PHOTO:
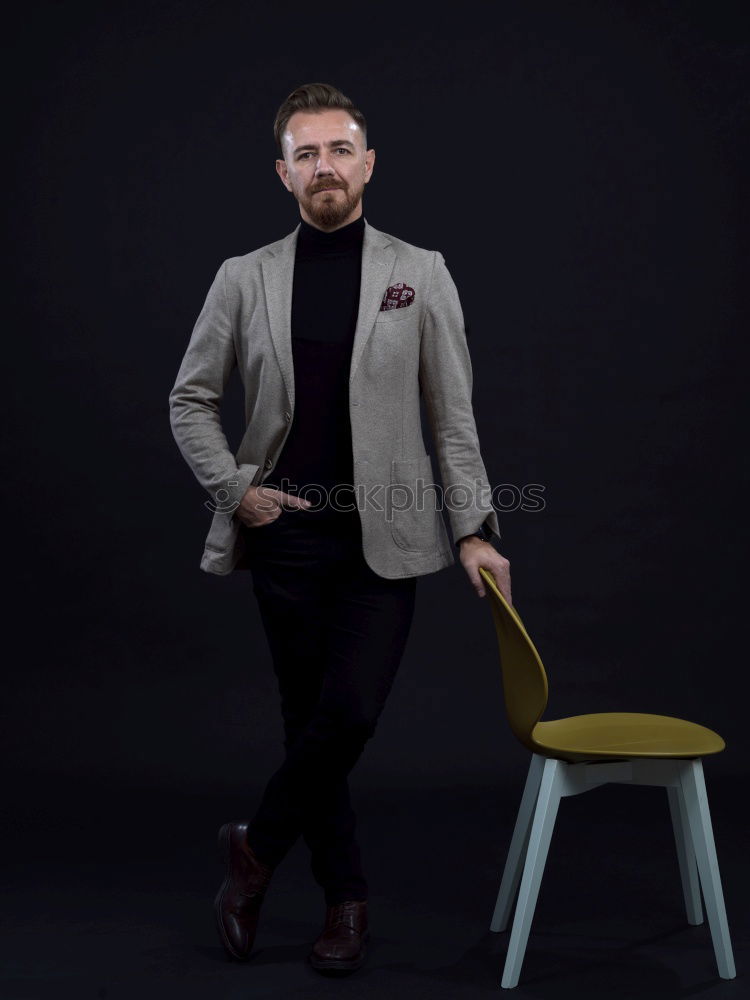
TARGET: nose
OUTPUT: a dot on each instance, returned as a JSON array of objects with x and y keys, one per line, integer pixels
[{"x": 323, "y": 166}]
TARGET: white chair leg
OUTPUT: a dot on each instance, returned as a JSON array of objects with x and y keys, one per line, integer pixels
[
  {"x": 545, "y": 813},
  {"x": 701, "y": 832},
  {"x": 691, "y": 888},
  {"x": 517, "y": 850}
]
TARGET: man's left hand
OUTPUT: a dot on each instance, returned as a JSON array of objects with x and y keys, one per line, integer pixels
[{"x": 475, "y": 553}]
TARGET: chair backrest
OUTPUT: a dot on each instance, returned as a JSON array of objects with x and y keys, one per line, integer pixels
[{"x": 524, "y": 676}]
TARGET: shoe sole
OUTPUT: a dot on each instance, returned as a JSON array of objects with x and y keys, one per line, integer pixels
[
  {"x": 340, "y": 966},
  {"x": 223, "y": 843}
]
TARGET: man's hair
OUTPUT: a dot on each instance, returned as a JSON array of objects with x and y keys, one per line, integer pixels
[{"x": 315, "y": 97}]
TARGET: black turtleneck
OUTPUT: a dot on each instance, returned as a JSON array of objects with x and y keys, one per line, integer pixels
[{"x": 325, "y": 304}]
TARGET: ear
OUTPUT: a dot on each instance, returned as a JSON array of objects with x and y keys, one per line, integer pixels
[
  {"x": 369, "y": 164},
  {"x": 281, "y": 170}
]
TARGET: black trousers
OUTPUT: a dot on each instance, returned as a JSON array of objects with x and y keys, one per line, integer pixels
[{"x": 336, "y": 632}]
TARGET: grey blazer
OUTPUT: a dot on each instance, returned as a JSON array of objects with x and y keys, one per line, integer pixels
[{"x": 399, "y": 352}]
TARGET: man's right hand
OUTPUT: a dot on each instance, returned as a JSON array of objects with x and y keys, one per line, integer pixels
[{"x": 262, "y": 504}]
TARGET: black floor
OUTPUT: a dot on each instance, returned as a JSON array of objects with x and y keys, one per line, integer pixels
[{"x": 108, "y": 894}]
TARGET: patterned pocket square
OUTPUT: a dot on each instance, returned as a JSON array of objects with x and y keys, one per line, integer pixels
[{"x": 397, "y": 297}]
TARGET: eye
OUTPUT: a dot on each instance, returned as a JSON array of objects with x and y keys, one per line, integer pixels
[{"x": 339, "y": 149}]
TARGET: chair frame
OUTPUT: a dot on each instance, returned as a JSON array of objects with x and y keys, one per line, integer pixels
[{"x": 548, "y": 781}]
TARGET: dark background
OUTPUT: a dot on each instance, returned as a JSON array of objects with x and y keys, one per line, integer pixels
[{"x": 583, "y": 169}]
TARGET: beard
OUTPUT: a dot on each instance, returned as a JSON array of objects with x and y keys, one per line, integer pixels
[{"x": 330, "y": 210}]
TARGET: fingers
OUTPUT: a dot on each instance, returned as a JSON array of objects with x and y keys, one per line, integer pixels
[
  {"x": 266, "y": 503},
  {"x": 266, "y": 500},
  {"x": 476, "y": 581},
  {"x": 290, "y": 500},
  {"x": 502, "y": 579},
  {"x": 503, "y": 585},
  {"x": 499, "y": 570}
]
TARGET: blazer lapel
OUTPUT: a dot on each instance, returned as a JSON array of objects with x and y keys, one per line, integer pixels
[
  {"x": 278, "y": 275},
  {"x": 378, "y": 260}
]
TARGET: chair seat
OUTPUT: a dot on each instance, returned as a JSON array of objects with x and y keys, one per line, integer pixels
[{"x": 624, "y": 734}]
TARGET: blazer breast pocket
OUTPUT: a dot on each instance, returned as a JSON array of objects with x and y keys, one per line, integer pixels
[
  {"x": 388, "y": 316},
  {"x": 394, "y": 346}
]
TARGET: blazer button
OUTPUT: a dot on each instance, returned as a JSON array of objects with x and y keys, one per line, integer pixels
[
  {"x": 287, "y": 416},
  {"x": 269, "y": 463}
]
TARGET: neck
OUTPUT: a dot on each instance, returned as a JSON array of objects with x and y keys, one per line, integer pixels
[{"x": 345, "y": 237}]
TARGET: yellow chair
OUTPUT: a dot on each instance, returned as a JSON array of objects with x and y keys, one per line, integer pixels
[{"x": 574, "y": 755}]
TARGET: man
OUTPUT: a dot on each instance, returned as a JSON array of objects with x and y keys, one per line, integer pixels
[{"x": 337, "y": 329}]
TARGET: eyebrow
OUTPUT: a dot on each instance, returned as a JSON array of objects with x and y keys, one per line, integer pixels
[{"x": 333, "y": 142}]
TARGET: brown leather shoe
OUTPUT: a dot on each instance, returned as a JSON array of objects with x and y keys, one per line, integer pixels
[
  {"x": 342, "y": 946},
  {"x": 238, "y": 901}
]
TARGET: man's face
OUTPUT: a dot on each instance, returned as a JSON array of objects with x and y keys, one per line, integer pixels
[{"x": 325, "y": 149}]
